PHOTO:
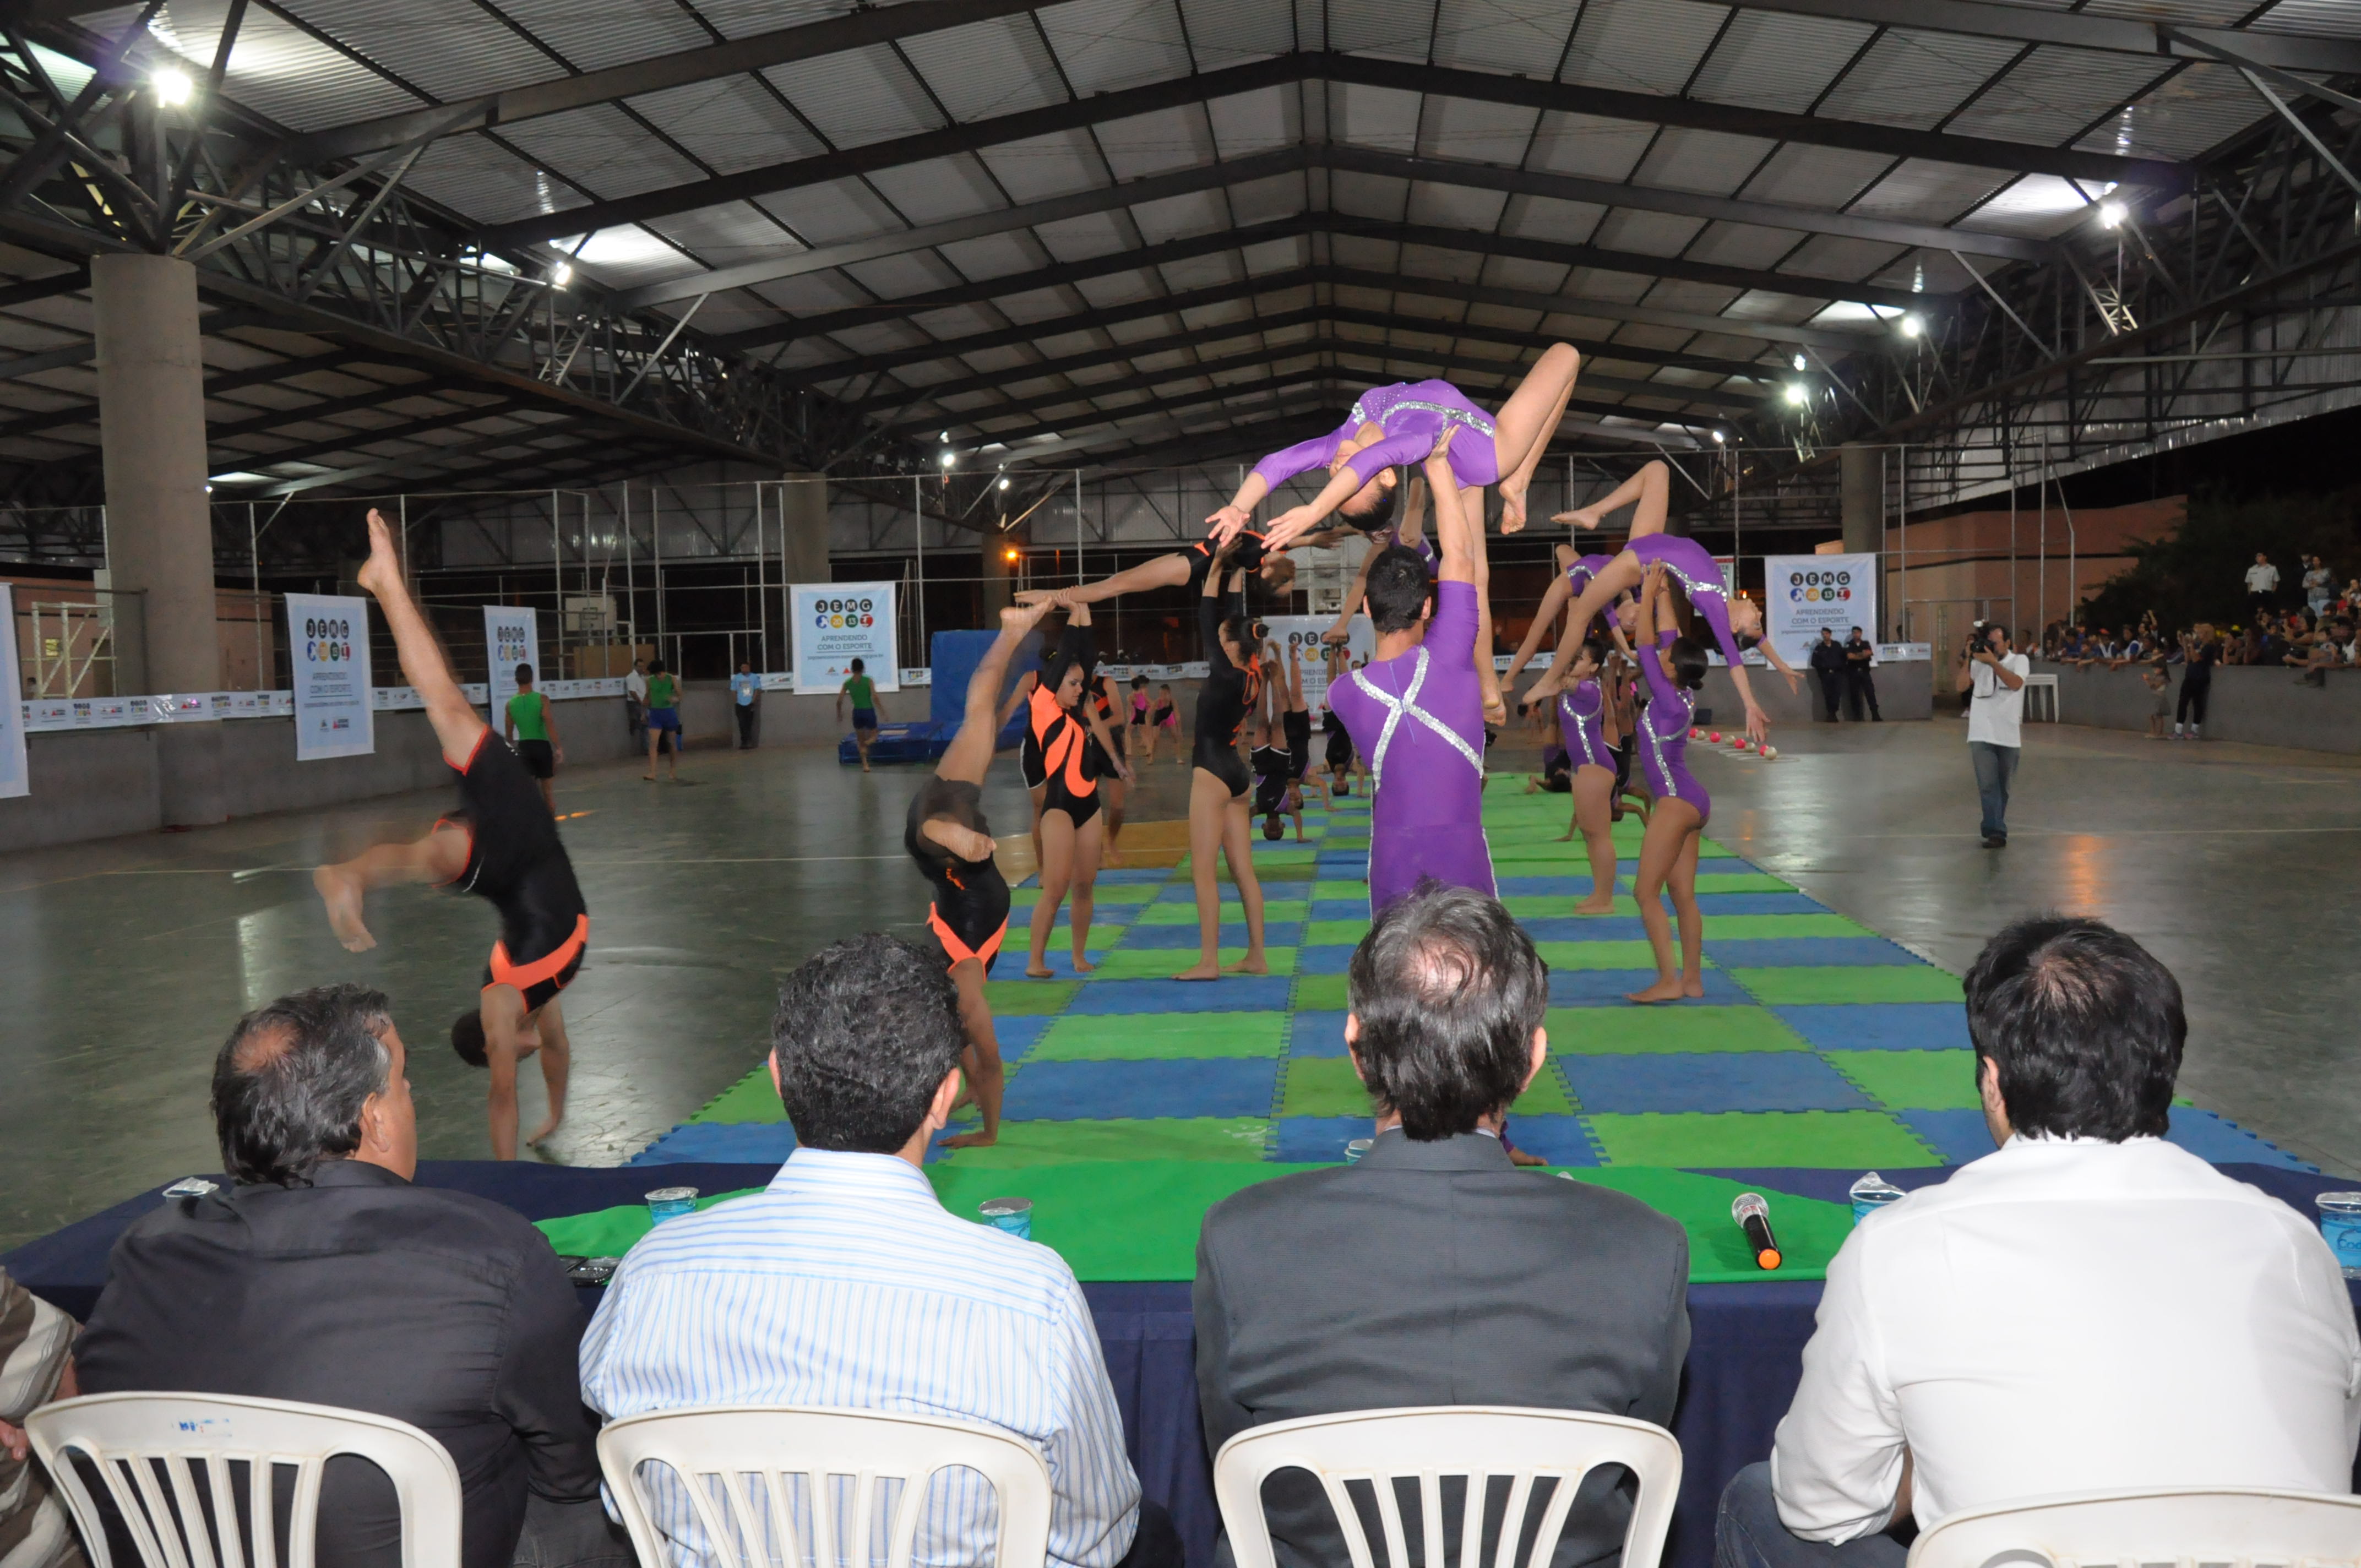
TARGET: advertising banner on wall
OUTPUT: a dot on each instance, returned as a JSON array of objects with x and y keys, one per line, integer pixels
[
  {"x": 14, "y": 778},
  {"x": 512, "y": 637},
  {"x": 836, "y": 623},
  {"x": 1304, "y": 631},
  {"x": 1808, "y": 592},
  {"x": 327, "y": 644}
]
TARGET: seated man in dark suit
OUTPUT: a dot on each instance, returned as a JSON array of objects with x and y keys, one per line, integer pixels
[
  {"x": 1434, "y": 1272},
  {"x": 322, "y": 1276}
]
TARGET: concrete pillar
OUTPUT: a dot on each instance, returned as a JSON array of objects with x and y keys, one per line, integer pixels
[
  {"x": 1862, "y": 498},
  {"x": 803, "y": 512},
  {"x": 151, "y": 397}
]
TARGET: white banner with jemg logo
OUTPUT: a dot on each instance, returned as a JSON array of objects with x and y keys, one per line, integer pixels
[
  {"x": 512, "y": 637},
  {"x": 836, "y": 623},
  {"x": 328, "y": 646},
  {"x": 1804, "y": 593}
]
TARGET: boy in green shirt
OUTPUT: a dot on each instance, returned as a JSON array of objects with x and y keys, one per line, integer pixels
[
  {"x": 863, "y": 693},
  {"x": 532, "y": 729},
  {"x": 664, "y": 717}
]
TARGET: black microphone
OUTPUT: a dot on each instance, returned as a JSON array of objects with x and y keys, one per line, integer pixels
[{"x": 1753, "y": 1217}]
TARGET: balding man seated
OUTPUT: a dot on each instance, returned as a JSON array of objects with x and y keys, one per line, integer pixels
[
  {"x": 1434, "y": 1272},
  {"x": 322, "y": 1276}
]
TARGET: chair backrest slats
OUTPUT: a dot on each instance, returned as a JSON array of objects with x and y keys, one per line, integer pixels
[
  {"x": 1475, "y": 1442},
  {"x": 2202, "y": 1526},
  {"x": 701, "y": 1449},
  {"x": 146, "y": 1448}
]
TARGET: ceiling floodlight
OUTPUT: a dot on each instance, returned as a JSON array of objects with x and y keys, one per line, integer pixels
[
  {"x": 1798, "y": 394},
  {"x": 1719, "y": 438},
  {"x": 950, "y": 457},
  {"x": 2113, "y": 214},
  {"x": 1011, "y": 554},
  {"x": 1800, "y": 363},
  {"x": 1003, "y": 484},
  {"x": 1912, "y": 325},
  {"x": 563, "y": 275},
  {"x": 173, "y": 86}
]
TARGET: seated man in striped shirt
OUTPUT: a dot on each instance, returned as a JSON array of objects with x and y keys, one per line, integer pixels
[{"x": 845, "y": 1283}]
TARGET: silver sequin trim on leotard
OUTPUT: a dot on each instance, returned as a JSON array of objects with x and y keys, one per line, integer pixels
[
  {"x": 1584, "y": 722},
  {"x": 1474, "y": 421},
  {"x": 1406, "y": 706}
]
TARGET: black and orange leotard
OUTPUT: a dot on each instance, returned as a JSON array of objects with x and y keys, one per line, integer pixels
[
  {"x": 516, "y": 860},
  {"x": 1245, "y": 556},
  {"x": 970, "y": 913},
  {"x": 1068, "y": 768}
]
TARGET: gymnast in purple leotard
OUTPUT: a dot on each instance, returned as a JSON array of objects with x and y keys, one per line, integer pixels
[
  {"x": 1673, "y": 666},
  {"x": 1417, "y": 710},
  {"x": 1582, "y": 731},
  {"x": 1566, "y": 586}
]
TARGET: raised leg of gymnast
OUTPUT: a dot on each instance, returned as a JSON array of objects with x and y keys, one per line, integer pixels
[
  {"x": 1170, "y": 571},
  {"x": 1522, "y": 427}
]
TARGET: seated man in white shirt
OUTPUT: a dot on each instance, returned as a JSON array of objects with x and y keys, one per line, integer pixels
[
  {"x": 846, "y": 1284},
  {"x": 2090, "y": 1308}
]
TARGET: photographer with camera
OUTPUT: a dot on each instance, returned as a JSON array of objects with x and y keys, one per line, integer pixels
[{"x": 1994, "y": 678}]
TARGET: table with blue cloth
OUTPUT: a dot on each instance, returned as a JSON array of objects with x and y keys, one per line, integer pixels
[{"x": 1745, "y": 1348}]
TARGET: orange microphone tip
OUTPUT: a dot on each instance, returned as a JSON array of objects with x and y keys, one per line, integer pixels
[{"x": 1767, "y": 1258}]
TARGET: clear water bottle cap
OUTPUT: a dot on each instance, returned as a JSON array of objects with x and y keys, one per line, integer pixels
[{"x": 1876, "y": 1189}]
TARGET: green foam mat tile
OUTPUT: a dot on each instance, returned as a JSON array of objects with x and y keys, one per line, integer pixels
[
  {"x": 1323, "y": 1086},
  {"x": 1615, "y": 1031},
  {"x": 1163, "y": 963},
  {"x": 1335, "y": 933},
  {"x": 1546, "y": 1095},
  {"x": 1131, "y": 1221},
  {"x": 1913, "y": 1080},
  {"x": 1345, "y": 842},
  {"x": 1211, "y": 1139},
  {"x": 1320, "y": 994},
  {"x": 610, "y": 1233},
  {"x": 1599, "y": 955},
  {"x": 1028, "y": 998},
  {"x": 1330, "y": 887},
  {"x": 1848, "y": 982},
  {"x": 1738, "y": 928},
  {"x": 1182, "y": 911},
  {"x": 1871, "y": 1140},
  {"x": 1560, "y": 906},
  {"x": 753, "y": 1098},
  {"x": 1107, "y": 893},
  {"x": 1154, "y": 1036}
]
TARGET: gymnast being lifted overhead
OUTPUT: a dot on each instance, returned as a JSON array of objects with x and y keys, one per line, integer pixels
[{"x": 1737, "y": 624}]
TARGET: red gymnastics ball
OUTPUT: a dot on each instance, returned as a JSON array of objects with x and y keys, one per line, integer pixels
[{"x": 1715, "y": 737}]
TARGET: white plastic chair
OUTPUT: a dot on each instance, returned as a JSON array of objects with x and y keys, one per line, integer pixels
[
  {"x": 149, "y": 1447},
  {"x": 2048, "y": 683},
  {"x": 2222, "y": 1527},
  {"x": 1478, "y": 1442},
  {"x": 715, "y": 1450}
]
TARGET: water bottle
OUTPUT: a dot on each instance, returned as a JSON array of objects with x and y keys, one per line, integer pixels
[
  {"x": 1870, "y": 1194},
  {"x": 2340, "y": 1226}
]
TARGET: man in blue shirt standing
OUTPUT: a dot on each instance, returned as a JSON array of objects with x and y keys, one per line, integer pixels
[
  {"x": 845, "y": 1283},
  {"x": 746, "y": 687}
]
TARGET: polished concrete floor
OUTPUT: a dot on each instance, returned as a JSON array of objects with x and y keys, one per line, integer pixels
[{"x": 123, "y": 964}]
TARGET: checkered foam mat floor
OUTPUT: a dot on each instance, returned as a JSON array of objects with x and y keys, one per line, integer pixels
[{"x": 1818, "y": 1043}]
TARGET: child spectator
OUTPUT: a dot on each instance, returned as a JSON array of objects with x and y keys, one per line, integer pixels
[{"x": 2159, "y": 706}]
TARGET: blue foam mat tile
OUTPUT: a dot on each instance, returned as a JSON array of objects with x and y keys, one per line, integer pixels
[
  {"x": 1756, "y": 904},
  {"x": 1611, "y": 987},
  {"x": 1132, "y": 875},
  {"x": 1304, "y": 1140},
  {"x": 1107, "y": 1090},
  {"x": 1186, "y": 939},
  {"x": 1561, "y": 1140},
  {"x": 1880, "y": 1025},
  {"x": 1807, "y": 952},
  {"x": 1710, "y": 1081},
  {"x": 1569, "y": 887},
  {"x": 2220, "y": 1142},
  {"x": 1317, "y": 1034},
  {"x": 1956, "y": 1137},
  {"x": 1323, "y": 960},
  {"x": 720, "y": 1143},
  {"x": 1017, "y": 1036},
  {"x": 1059, "y": 957},
  {"x": 1586, "y": 928},
  {"x": 1340, "y": 909},
  {"x": 1230, "y": 993}
]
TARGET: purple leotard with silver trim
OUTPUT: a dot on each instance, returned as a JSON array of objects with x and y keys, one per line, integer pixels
[
  {"x": 1420, "y": 719},
  {"x": 1578, "y": 727},
  {"x": 1700, "y": 578},
  {"x": 1413, "y": 414},
  {"x": 1665, "y": 736}
]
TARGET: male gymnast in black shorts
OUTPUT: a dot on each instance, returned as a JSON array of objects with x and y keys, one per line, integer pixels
[
  {"x": 503, "y": 846},
  {"x": 946, "y": 836}
]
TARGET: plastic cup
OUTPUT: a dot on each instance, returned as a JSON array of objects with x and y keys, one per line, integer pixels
[
  {"x": 671, "y": 1203},
  {"x": 1014, "y": 1215},
  {"x": 1355, "y": 1149},
  {"x": 1870, "y": 1194},
  {"x": 2340, "y": 1226}
]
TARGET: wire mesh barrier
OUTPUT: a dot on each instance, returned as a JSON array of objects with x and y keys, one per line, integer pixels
[{"x": 699, "y": 572}]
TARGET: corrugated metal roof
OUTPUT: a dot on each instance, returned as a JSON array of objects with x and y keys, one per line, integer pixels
[
  {"x": 858, "y": 96},
  {"x": 1706, "y": 161},
  {"x": 1916, "y": 79},
  {"x": 1455, "y": 206},
  {"x": 1391, "y": 29},
  {"x": 1521, "y": 37},
  {"x": 731, "y": 124},
  {"x": 2053, "y": 93},
  {"x": 1224, "y": 32},
  {"x": 1158, "y": 143},
  {"x": 613, "y": 32},
  {"x": 1589, "y": 146},
  {"x": 1482, "y": 133},
  {"x": 1767, "y": 60},
  {"x": 1109, "y": 44},
  {"x": 1644, "y": 46},
  {"x": 988, "y": 68},
  {"x": 449, "y": 47},
  {"x": 1041, "y": 167}
]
